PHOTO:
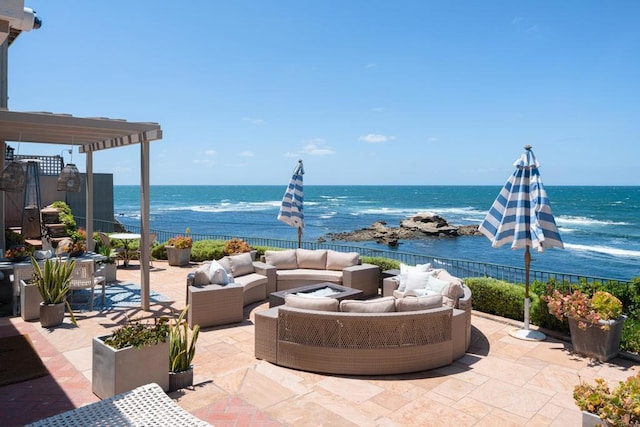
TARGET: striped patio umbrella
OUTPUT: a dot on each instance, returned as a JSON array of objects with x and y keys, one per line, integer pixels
[
  {"x": 291, "y": 209},
  {"x": 521, "y": 215}
]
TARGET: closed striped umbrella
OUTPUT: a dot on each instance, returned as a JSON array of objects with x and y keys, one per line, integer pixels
[
  {"x": 291, "y": 209},
  {"x": 521, "y": 216}
]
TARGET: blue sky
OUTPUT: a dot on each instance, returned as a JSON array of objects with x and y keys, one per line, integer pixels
[{"x": 365, "y": 92}]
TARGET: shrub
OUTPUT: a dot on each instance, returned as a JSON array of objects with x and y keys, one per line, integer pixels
[
  {"x": 180, "y": 242},
  {"x": 500, "y": 298},
  {"x": 383, "y": 263},
  {"x": 236, "y": 246},
  {"x": 65, "y": 216},
  {"x": 138, "y": 334},
  {"x": 620, "y": 407}
]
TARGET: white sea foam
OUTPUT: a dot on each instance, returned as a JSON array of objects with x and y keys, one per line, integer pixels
[
  {"x": 604, "y": 250},
  {"x": 584, "y": 221}
]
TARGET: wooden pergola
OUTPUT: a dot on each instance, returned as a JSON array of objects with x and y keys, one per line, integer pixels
[{"x": 88, "y": 134}]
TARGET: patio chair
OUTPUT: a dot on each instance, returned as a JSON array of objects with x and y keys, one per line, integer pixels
[
  {"x": 143, "y": 406},
  {"x": 84, "y": 277},
  {"x": 152, "y": 240},
  {"x": 107, "y": 242}
]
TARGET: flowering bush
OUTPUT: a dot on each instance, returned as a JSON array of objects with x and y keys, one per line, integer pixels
[
  {"x": 579, "y": 306},
  {"x": 78, "y": 241},
  {"x": 18, "y": 252},
  {"x": 180, "y": 242},
  {"x": 236, "y": 246},
  {"x": 619, "y": 408}
]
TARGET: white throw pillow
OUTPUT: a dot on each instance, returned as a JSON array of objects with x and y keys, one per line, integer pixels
[
  {"x": 217, "y": 274},
  {"x": 417, "y": 280},
  {"x": 419, "y": 293},
  {"x": 404, "y": 270},
  {"x": 436, "y": 285}
]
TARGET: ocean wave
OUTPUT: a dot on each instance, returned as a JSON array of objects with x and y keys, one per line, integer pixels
[
  {"x": 581, "y": 220},
  {"x": 617, "y": 252}
]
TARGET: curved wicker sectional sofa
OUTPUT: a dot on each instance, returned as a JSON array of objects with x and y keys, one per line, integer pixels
[
  {"x": 301, "y": 267},
  {"x": 212, "y": 303},
  {"x": 356, "y": 343}
]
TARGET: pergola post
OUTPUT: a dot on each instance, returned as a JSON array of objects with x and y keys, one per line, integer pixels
[
  {"x": 89, "y": 201},
  {"x": 144, "y": 224}
]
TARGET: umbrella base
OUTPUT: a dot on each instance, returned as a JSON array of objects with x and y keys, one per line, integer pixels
[{"x": 527, "y": 334}]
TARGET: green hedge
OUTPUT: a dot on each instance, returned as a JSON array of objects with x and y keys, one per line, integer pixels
[{"x": 507, "y": 300}]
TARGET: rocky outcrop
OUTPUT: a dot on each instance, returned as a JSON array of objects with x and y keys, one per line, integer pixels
[{"x": 420, "y": 226}]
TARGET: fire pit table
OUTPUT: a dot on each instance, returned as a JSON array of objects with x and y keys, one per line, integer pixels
[{"x": 338, "y": 292}]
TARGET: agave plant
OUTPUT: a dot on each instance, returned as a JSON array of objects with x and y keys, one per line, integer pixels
[
  {"x": 54, "y": 281},
  {"x": 181, "y": 349}
]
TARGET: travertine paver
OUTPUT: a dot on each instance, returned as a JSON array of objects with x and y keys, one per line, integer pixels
[{"x": 500, "y": 381}]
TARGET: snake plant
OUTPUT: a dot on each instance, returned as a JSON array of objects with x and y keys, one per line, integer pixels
[{"x": 181, "y": 349}]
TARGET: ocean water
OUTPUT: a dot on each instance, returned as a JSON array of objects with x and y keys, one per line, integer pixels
[{"x": 600, "y": 226}]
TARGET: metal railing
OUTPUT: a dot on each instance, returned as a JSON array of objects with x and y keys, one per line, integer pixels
[{"x": 457, "y": 267}]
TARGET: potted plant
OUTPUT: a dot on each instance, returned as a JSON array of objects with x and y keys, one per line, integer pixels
[
  {"x": 181, "y": 352},
  {"x": 595, "y": 323},
  {"x": 109, "y": 264},
  {"x": 135, "y": 354},
  {"x": 18, "y": 253},
  {"x": 53, "y": 284},
  {"x": 78, "y": 243},
  {"x": 238, "y": 246},
  {"x": 620, "y": 407},
  {"x": 179, "y": 249}
]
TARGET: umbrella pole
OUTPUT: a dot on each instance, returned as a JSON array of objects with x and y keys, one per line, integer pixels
[
  {"x": 527, "y": 301},
  {"x": 526, "y": 333},
  {"x": 299, "y": 236}
]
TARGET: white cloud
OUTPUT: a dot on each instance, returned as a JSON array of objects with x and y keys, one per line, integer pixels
[
  {"x": 317, "y": 147},
  {"x": 377, "y": 109},
  {"x": 432, "y": 139},
  {"x": 373, "y": 138},
  {"x": 247, "y": 154},
  {"x": 370, "y": 65},
  {"x": 312, "y": 147},
  {"x": 516, "y": 20},
  {"x": 210, "y": 153},
  {"x": 257, "y": 122},
  {"x": 204, "y": 162}
]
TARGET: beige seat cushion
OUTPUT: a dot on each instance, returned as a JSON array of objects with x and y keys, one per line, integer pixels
[
  {"x": 311, "y": 303},
  {"x": 282, "y": 260},
  {"x": 313, "y": 259},
  {"x": 226, "y": 264},
  {"x": 201, "y": 275},
  {"x": 317, "y": 275},
  {"x": 418, "y": 303},
  {"x": 451, "y": 294},
  {"x": 378, "y": 305},
  {"x": 241, "y": 264},
  {"x": 339, "y": 260}
]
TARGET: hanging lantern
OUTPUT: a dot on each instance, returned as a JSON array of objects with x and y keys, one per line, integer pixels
[
  {"x": 69, "y": 179},
  {"x": 12, "y": 178},
  {"x": 8, "y": 153}
]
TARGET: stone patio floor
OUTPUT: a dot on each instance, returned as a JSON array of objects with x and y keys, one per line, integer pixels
[{"x": 500, "y": 381}]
